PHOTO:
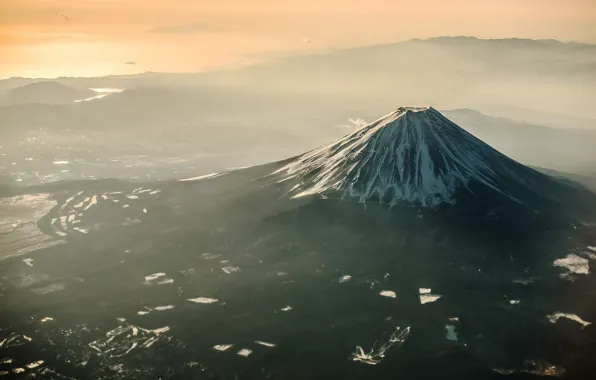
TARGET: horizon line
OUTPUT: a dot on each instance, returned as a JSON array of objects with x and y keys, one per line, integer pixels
[{"x": 309, "y": 53}]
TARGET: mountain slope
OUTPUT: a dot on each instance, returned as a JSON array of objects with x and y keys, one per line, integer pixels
[{"x": 416, "y": 155}]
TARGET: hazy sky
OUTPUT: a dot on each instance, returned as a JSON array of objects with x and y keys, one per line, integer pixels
[{"x": 45, "y": 38}]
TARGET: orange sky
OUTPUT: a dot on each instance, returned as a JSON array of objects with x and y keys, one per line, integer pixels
[{"x": 47, "y": 38}]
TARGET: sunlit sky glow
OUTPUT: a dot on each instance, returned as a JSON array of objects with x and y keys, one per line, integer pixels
[{"x": 49, "y": 38}]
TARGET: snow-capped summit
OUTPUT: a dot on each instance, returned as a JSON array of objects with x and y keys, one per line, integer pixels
[{"x": 413, "y": 155}]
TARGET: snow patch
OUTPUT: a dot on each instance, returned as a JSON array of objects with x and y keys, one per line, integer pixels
[
  {"x": 574, "y": 265},
  {"x": 222, "y": 347},
  {"x": 388, "y": 293},
  {"x": 34, "y": 364},
  {"x": 166, "y": 307},
  {"x": 205, "y": 300},
  {"x": 553, "y": 318},
  {"x": 344, "y": 279},
  {"x": 206, "y": 176},
  {"x": 244, "y": 352},
  {"x": 230, "y": 270},
  {"x": 93, "y": 202},
  {"x": 81, "y": 230},
  {"x": 426, "y": 296},
  {"x": 376, "y": 355},
  {"x": 266, "y": 344},
  {"x": 154, "y": 276}
]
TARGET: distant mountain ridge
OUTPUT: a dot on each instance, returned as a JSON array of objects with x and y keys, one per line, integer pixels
[
  {"x": 448, "y": 40},
  {"x": 519, "y": 41},
  {"x": 488, "y": 75},
  {"x": 530, "y": 143},
  {"x": 46, "y": 92}
]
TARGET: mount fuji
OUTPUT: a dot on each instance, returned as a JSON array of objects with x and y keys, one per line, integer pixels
[
  {"x": 416, "y": 156},
  {"x": 408, "y": 247}
]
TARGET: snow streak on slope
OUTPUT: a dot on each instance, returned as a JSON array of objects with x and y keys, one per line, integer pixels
[{"x": 413, "y": 155}]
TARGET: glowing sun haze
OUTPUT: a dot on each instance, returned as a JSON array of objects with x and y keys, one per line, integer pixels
[{"x": 49, "y": 38}]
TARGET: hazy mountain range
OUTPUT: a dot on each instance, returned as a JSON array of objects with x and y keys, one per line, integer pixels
[
  {"x": 530, "y": 99},
  {"x": 509, "y": 76}
]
